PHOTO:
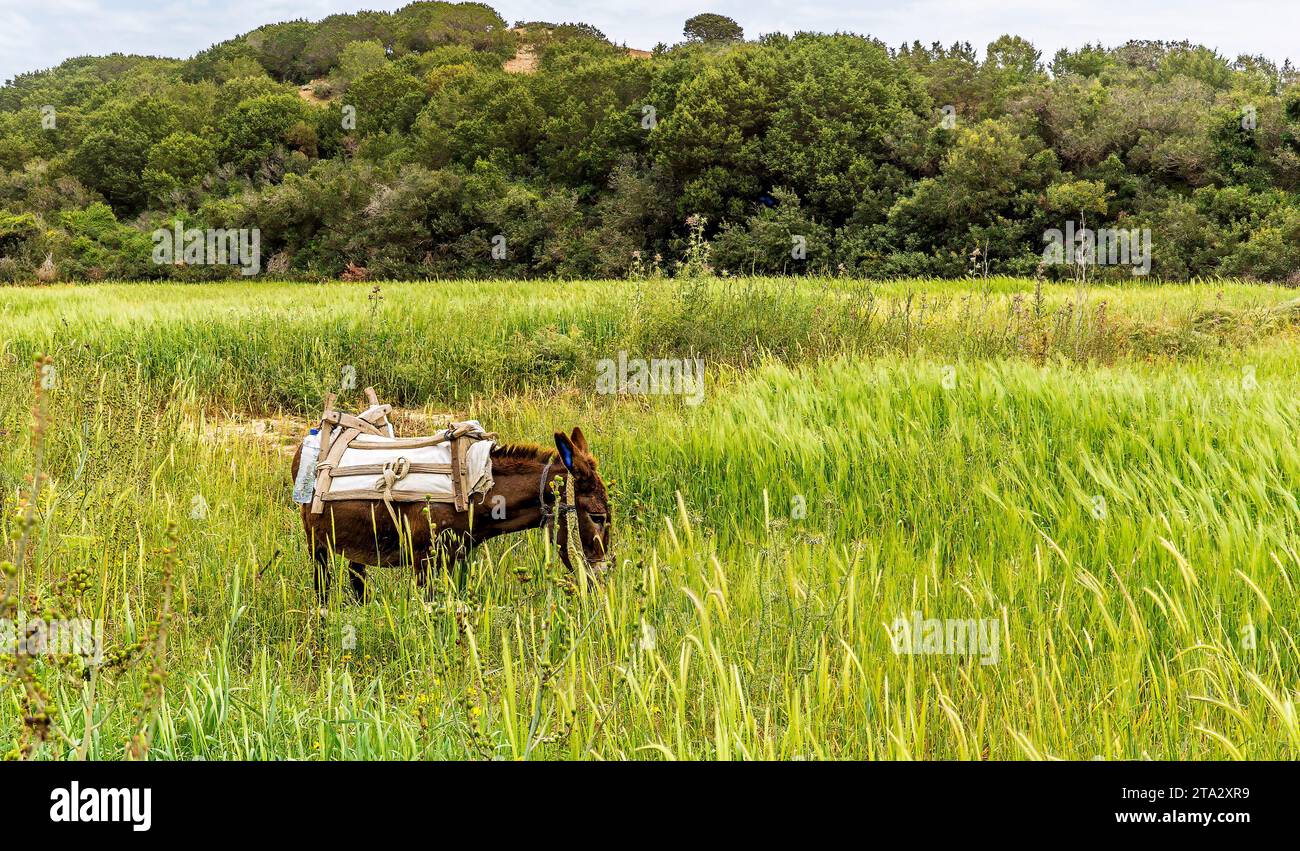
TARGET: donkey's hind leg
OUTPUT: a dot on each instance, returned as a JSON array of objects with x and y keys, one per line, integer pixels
[{"x": 357, "y": 578}]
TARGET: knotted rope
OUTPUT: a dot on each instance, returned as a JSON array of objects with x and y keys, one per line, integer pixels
[{"x": 393, "y": 472}]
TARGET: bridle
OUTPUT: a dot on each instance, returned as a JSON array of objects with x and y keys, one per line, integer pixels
[{"x": 563, "y": 508}]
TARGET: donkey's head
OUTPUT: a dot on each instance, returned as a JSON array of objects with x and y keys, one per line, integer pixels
[{"x": 590, "y": 499}]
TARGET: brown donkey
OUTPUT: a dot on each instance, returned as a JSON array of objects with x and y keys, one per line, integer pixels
[{"x": 532, "y": 488}]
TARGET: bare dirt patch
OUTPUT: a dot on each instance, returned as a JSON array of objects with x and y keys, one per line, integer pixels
[
  {"x": 308, "y": 93},
  {"x": 525, "y": 61},
  {"x": 281, "y": 432}
]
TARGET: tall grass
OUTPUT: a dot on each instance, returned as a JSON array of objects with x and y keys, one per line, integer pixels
[
  {"x": 264, "y": 347},
  {"x": 1121, "y": 499}
]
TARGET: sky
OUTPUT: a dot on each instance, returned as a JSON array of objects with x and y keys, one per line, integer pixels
[{"x": 37, "y": 34}]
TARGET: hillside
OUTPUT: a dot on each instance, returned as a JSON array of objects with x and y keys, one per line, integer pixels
[{"x": 414, "y": 143}]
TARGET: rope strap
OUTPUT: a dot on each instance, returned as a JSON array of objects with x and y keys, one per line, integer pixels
[{"x": 393, "y": 472}]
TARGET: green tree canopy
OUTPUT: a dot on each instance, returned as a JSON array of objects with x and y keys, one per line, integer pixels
[{"x": 710, "y": 27}]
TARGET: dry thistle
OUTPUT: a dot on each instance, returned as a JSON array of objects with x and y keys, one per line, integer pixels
[
  {"x": 138, "y": 746},
  {"x": 34, "y": 700}
]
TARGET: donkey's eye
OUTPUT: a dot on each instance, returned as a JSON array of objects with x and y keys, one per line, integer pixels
[{"x": 598, "y": 519}]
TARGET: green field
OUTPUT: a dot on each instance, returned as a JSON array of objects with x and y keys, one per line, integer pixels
[{"x": 1113, "y": 482}]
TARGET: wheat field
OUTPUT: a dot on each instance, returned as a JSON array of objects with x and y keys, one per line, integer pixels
[{"x": 1106, "y": 479}]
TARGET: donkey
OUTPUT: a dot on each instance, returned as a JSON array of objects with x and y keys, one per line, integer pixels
[{"x": 526, "y": 477}]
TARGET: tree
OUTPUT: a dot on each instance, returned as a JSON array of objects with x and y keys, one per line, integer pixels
[
  {"x": 178, "y": 162},
  {"x": 16, "y": 230},
  {"x": 711, "y": 142},
  {"x": 896, "y": 162},
  {"x": 110, "y": 162},
  {"x": 1010, "y": 64},
  {"x": 256, "y": 127},
  {"x": 1083, "y": 197},
  {"x": 710, "y": 27},
  {"x": 778, "y": 239},
  {"x": 360, "y": 58},
  {"x": 386, "y": 99},
  {"x": 832, "y": 136},
  {"x": 111, "y": 158},
  {"x": 1014, "y": 54}
]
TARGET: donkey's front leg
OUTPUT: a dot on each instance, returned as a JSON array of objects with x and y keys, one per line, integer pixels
[
  {"x": 440, "y": 558},
  {"x": 357, "y": 578},
  {"x": 324, "y": 564}
]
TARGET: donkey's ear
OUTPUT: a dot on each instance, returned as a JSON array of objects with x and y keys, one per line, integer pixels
[
  {"x": 565, "y": 447},
  {"x": 579, "y": 439}
]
